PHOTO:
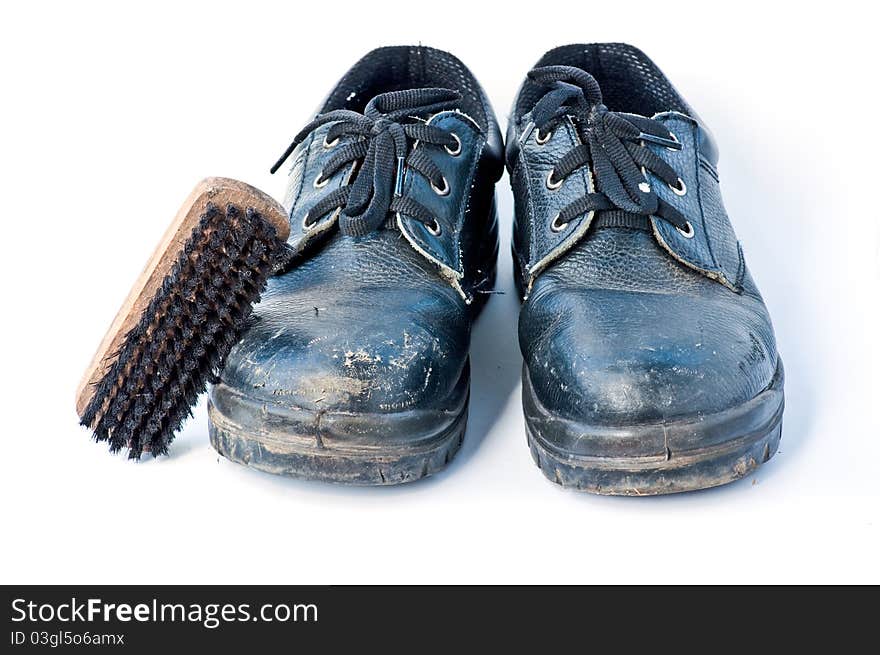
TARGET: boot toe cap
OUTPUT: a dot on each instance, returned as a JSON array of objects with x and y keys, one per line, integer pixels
[
  {"x": 350, "y": 354},
  {"x": 616, "y": 357}
]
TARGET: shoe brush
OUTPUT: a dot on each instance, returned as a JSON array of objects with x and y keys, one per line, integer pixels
[{"x": 187, "y": 309}]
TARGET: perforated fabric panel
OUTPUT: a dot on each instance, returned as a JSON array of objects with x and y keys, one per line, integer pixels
[
  {"x": 395, "y": 68},
  {"x": 630, "y": 82}
]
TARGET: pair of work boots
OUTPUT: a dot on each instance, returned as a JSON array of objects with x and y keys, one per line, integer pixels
[{"x": 650, "y": 364}]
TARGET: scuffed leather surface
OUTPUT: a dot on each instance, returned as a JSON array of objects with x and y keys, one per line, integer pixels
[
  {"x": 617, "y": 332},
  {"x": 365, "y": 324}
]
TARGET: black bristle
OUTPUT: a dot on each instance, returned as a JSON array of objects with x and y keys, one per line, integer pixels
[{"x": 183, "y": 337}]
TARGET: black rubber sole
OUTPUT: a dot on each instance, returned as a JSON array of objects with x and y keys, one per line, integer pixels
[
  {"x": 663, "y": 458},
  {"x": 343, "y": 448}
]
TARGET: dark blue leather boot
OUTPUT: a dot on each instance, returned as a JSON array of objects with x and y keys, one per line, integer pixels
[
  {"x": 356, "y": 368},
  {"x": 650, "y": 361}
]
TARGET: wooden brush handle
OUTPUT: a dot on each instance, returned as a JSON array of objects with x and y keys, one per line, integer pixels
[{"x": 220, "y": 191}]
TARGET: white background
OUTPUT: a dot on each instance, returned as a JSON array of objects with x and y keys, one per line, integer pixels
[{"x": 110, "y": 114}]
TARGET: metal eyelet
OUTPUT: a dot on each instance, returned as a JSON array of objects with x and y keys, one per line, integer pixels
[
  {"x": 674, "y": 138},
  {"x": 551, "y": 184},
  {"x": 441, "y": 191},
  {"x": 455, "y": 152},
  {"x": 541, "y": 140},
  {"x": 306, "y": 225},
  {"x": 556, "y": 226},
  {"x": 330, "y": 144},
  {"x": 319, "y": 183},
  {"x": 680, "y": 190},
  {"x": 689, "y": 233},
  {"x": 434, "y": 228}
]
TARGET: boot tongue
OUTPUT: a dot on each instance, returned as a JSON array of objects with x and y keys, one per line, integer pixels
[{"x": 403, "y": 106}]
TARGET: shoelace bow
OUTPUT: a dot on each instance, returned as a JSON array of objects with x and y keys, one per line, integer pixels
[
  {"x": 612, "y": 145},
  {"x": 381, "y": 152}
]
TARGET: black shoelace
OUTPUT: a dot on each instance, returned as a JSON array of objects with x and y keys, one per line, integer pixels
[
  {"x": 612, "y": 146},
  {"x": 381, "y": 152}
]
